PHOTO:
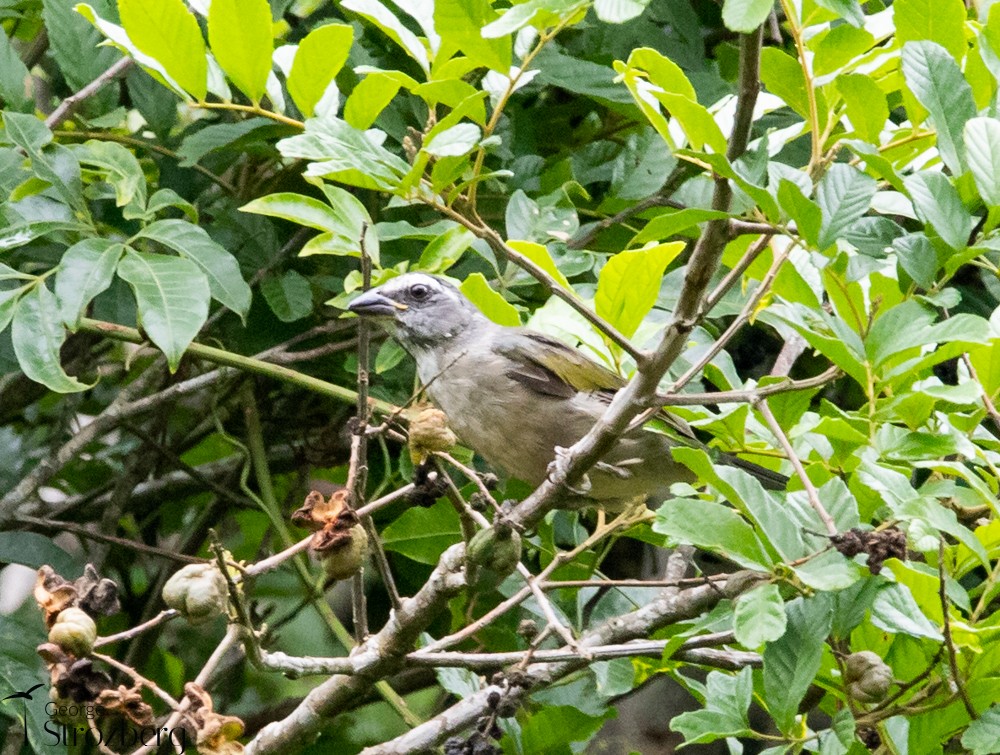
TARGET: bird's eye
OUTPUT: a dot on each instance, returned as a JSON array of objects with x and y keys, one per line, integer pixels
[{"x": 420, "y": 292}]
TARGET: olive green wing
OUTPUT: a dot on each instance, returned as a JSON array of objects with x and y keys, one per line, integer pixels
[{"x": 550, "y": 367}]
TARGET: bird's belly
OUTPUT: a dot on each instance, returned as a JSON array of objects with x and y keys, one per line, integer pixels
[{"x": 517, "y": 431}]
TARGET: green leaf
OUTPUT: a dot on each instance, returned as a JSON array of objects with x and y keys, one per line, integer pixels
[
  {"x": 445, "y": 250},
  {"x": 727, "y": 698},
  {"x": 38, "y": 334},
  {"x": 219, "y": 136},
  {"x": 982, "y": 146},
  {"x": 552, "y": 727},
  {"x": 745, "y": 15},
  {"x": 19, "y": 235},
  {"x": 522, "y": 14},
  {"x": 242, "y": 42},
  {"x": 849, "y": 10},
  {"x": 371, "y": 96},
  {"x": 74, "y": 44},
  {"x": 983, "y": 735},
  {"x": 423, "y": 534},
  {"x": 844, "y": 195},
  {"x": 759, "y": 616},
  {"x": 807, "y": 214},
  {"x": 895, "y": 611},
  {"x": 318, "y": 60},
  {"x": 219, "y": 266},
  {"x": 629, "y": 285},
  {"x": 541, "y": 257},
  {"x": 345, "y": 154},
  {"x": 26, "y": 131},
  {"x": 782, "y": 75},
  {"x": 121, "y": 170},
  {"x": 938, "y": 84},
  {"x": 34, "y": 550},
  {"x": 669, "y": 224},
  {"x": 712, "y": 526},
  {"x": 619, "y": 11},
  {"x": 387, "y": 21},
  {"x": 941, "y": 21},
  {"x": 8, "y": 304},
  {"x": 459, "y": 22},
  {"x": 917, "y": 257},
  {"x": 866, "y": 105},
  {"x": 168, "y": 32},
  {"x": 172, "y": 294},
  {"x": 488, "y": 301},
  {"x": 791, "y": 662},
  {"x": 289, "y": 296},
  {"x": 85, "y": 270},
  {"x": 15, "y": 81},
  {"x": 938, "y": 205},
  {"x": 298, "y": 208},
  {"x": 455, "y": 141}
]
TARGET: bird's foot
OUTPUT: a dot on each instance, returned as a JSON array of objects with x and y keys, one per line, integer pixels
[{"x": 557, "y": 472}]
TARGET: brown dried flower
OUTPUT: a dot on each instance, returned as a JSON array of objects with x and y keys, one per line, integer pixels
[
  {"x": 215, "y": 734},
  {"x": 126, "y": 702}
]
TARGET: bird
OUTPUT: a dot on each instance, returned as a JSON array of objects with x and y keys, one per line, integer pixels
[
  {"x": 518, "y": 397},
  {"x": 26, "y": 695}
]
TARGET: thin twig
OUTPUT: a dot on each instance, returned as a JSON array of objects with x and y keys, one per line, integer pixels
[
  {"x": 807, "y": 484},
  {"x": 138, "y": 629},
  {"x": 138, "y": 679},
  {"x": 949, "y": 643},
  {"x": 68, "y": 106}
]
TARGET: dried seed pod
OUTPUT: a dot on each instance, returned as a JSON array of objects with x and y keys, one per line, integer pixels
[
  {"x": 867, "y": 677},
  {"x": 345, "y": 558},
  {"x": 428, "y": 432},
  {"x": 492, "y": 554},
  {"x": 198, "y": 592},
  {"x": 74, "y": 631}
]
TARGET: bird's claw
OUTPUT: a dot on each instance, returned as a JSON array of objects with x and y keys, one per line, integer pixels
[{"x": 557, "y": 473}]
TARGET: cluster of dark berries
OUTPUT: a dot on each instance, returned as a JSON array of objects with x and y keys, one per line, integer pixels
[
  {"x": 427, "y": 487},
  {"x": 880, "y": 545}
]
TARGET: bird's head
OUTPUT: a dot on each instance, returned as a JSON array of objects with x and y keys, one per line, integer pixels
[{"x": 422, "y": 311}]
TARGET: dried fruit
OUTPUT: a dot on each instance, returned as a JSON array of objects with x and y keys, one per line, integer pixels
[
  {"x": 428, "y": 432},
  {"x": 93, "y": 594},
  {"x": 345, "y": 558},
  {"x": 198, "y": 592},
  {"x": 867, "y": 677},
  {"x": 215, "y": 733},
  {"x": 74, "y": 631},
  {"x": 492, "y": 554},
  {"x": 341, "y": 541}
]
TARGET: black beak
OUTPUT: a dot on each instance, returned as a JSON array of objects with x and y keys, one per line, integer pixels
[{"x": 372, "y": 303}]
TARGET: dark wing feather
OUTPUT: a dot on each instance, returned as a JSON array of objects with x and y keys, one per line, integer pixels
[{"x": 551, "y": 368}]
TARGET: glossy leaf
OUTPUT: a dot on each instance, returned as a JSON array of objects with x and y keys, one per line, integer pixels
[
  {"x": 219, "y": 266},
  {"x": 319, "y": 58},
  {"x": 937, "y": 82},
  {"x": 759, "y": 616},
  {"x": 423, "y": 534},
  {"x": 791, "y": 662},
  {"x": 937, "y": 203},
  {"x": 85, "y": 270},
  {"x": 168, "y": 32},
  {"x": 844, "y": 195},
  {"x": 459, "y": 22},
  {"x": 629, "y": 284},
  {"x": 38, "y": 334},
  {"x": 488, "y": 301},
  {"x": 982, "y": 144},
  {"x": 240, "y": 34},
  {"x": 172, "y": 294}
]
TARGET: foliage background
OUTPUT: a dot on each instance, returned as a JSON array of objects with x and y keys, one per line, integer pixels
[{"x": 219, "y": 202}]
